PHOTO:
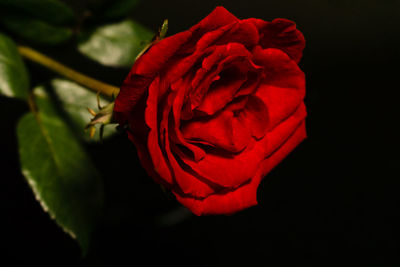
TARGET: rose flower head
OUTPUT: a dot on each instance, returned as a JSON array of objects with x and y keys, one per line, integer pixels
[{"x": 213, "y": 109}]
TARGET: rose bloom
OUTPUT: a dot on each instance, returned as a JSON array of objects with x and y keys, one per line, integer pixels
[{"x": 213, "y": 109}]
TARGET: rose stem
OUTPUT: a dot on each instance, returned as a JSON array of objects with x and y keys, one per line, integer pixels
[{"x": 93, "y": 84}]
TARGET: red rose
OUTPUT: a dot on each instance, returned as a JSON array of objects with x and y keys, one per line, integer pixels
[{"x": 213, "y": 109}]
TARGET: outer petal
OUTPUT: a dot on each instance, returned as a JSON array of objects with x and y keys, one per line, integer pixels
[
  {"x": 130, "y": 94},
  {"x": 143, "y": 72},
  {"x": 159, "y": 162},
  {"x": 282, "y": 34},
  {"x": 243, "y": 32},
  {"x": 246, "y": 195},
  {"x": 259, "y": 23},
  {"x": 145, "y": 159},
  {"x": 151, "y": 62},
  {"x": 138, "y": 135},
  {"x": 217, "y": 18},
  {"x": 283, "y": 89}
]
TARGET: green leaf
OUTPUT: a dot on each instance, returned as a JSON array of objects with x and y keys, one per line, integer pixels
[
  {"x": 36, "y": 31},
  {"x": 60, "y": 173},
  {"x": 14, "y": 80},
  {"x": 116, "y": 8},
  {"x": 116, "y": 44},
  {"x": 52, "y": 11},
  {"x": 74, "y": 101}
]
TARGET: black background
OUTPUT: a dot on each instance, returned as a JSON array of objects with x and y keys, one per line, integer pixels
[{"x": 332, "y": 201}]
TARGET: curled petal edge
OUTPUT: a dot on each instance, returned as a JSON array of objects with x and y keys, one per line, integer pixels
[{"x": 246, "y": 195}]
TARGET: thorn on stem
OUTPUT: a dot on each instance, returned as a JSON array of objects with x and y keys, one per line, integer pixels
[
  {"x": 98, "y": 100},
  {"x": 92, "y": 131},
  {"x": 91, "y": 111}
]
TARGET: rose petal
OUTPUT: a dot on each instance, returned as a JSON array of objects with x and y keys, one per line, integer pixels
[
  {"x": 217, "y": 18},
  {"x": 243, "y": 32},
  {"x": 222, "y": 91},
  {"x": 151, "y": 62},
  {"x": 255, "y": 117},
  {"x": 222, "y": 57},
  {"x": 182, "y": 88},
  {"x": 222, "y": 131},
  {"x": 225, "y": 54},
  {"x": 143, "y": 72},
  {"x": 279, "y": 68},
  {"x": 184, "y": 178},
  {"x": 259, "y": 23},
  {"x": 251, "y": 84},
  {"x": 283, "y": 89},
  {"x": 131, "y": 92},
  {"x": 159, "y": 163},
  {"x": 209, "y": 38},
  {"x": 241, "y": 77},
  {"x": 232, "y": 170},
  {"x": 246, "y": 195},
  {"x": 137, "y": 133},
  {"x": 279, "y": 134},
  {"x": 184, "y": 181},
  {"x": 282, "y": 34},
  {"x": 146, "y": 161}
]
